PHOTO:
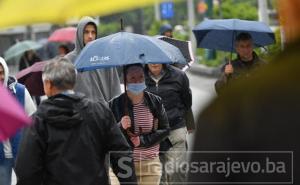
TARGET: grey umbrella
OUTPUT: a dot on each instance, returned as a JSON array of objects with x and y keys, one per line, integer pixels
[{"x": 20, "y": 47}]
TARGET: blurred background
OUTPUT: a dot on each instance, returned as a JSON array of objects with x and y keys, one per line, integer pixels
[
  {"x": 27, "y": 20},
  {"x": 183, "y": 15}
]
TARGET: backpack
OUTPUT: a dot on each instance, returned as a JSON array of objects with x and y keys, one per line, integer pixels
[{"x": 20, "y": 93}]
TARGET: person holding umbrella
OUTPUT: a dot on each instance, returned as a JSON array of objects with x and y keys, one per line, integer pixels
[
  {"x": 70, "y": 136},
  {"x": 97, "y": 84},
  {"x": 246, "y": 61},
  {"x": 9, "y": 148},
  {"x": 259, "y": 113},
  {"x": 143, "y": 121},
  {"x": 123, "y": 49},
  {"x": 28, "y": 59}
]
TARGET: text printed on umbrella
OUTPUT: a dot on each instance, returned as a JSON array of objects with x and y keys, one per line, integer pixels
[{"x": 97, "y": 59}]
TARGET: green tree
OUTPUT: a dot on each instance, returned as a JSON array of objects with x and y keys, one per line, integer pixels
[
  {"x": 271, "y": 51},
  {"x": 132, "y": 18},
  {"x": 154, "y": 28},
  {"x": 108, "y": 28}
]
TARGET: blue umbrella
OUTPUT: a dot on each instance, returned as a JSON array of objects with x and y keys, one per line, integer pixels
[
  {"x": 125, "y": 48},
  {"x": 219, "y": 34}
]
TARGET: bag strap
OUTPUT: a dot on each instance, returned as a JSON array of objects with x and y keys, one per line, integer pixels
[{"x": 20, "y": 93}]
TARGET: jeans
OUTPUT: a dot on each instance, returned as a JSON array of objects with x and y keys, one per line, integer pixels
[{"x": 6, "y": 167}]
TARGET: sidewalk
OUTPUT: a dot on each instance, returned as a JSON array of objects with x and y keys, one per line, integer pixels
[{"x": 203, "y": 70}]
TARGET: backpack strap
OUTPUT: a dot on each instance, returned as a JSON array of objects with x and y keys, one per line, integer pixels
[{"x": 20, "y": 93}]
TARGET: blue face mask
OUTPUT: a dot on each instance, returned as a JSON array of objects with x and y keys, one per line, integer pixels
[{"x": 136, "y": 88}]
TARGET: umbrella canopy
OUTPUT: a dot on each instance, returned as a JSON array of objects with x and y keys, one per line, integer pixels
[
  {"x": 12, "y": 116},
  {"x": 63, "y": 35},
  {"x": 20, "y": 47},
  {"x": 185, "y": 47},
  {"x": 31, "y": 77},
  {"x": 220, "y": 34},
  {"x": 125, "y": 48}
]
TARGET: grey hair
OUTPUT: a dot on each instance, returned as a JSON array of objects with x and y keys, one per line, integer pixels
[{"x": 61, "y": 73}]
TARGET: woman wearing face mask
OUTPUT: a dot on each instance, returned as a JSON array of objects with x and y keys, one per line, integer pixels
[{"x": 144, "y": 122}]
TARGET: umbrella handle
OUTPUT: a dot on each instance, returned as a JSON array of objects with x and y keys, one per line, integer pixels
[{"x": 125, "y": 91}]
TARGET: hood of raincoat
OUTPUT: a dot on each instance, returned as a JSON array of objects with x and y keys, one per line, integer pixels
[
  {"x": 79, "y": 44},
  {"x": 6, "y": 71},
  {"x": 100, "y": 84},
  {"x": 9, "y": 81},
  {"x": 62, "y": 111}
]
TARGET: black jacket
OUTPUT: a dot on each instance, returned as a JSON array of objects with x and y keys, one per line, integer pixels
[
  {"x": 175, "y": 92},
  {"x": 68, "y": 142},
  {"x": 241, "y": 70},
  {"x": 156, "y": 107}
]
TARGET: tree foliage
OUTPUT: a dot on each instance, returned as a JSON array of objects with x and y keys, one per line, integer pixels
[
  {"x": 240, "y": 9},
  {"x": 108, "y": 28}
]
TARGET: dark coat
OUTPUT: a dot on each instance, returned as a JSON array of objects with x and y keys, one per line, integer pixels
[
  {"x": 241, "y": 70},
  {"x": 175, "y": 92},
  {"x": 156, "y": 107},
  {"x": 68, "y": 142}
]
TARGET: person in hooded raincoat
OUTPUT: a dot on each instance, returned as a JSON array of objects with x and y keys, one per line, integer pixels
[
  {"x": 9, "y": 148},
  {"x": 97, "y": 84}
]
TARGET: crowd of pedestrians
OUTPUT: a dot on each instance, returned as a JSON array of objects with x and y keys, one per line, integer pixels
[{"x": 87, "y": 131}]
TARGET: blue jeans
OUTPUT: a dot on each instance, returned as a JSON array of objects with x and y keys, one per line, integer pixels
[{"x": 6, "y": 167}]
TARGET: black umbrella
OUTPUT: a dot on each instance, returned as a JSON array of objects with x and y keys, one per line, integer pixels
[{"x": 185, "y": 47}]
